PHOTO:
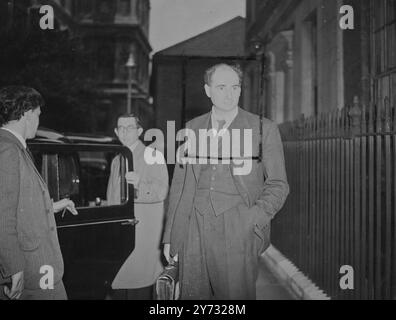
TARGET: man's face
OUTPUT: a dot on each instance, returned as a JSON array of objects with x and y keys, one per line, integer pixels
[
  {"x": 32, "y": 122},
  {"x": 224, "y": 89},
  {"x": 128, "y": 131}
]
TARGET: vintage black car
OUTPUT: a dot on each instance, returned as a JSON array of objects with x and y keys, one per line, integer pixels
[{"x": 97, "y": 241}]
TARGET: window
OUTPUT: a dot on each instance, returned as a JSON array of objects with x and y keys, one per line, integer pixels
[
  {"x": 105, "y": 61},
  {"x": 138, "y": 68},
  {"x": 141, "y": 66},
  {"x": 82, "y": 177},
  {"x": 139, "y": 9},
  {"x": 14, "y": 16},
  {"x": 253, "y": 9},
  {"x": 384, "y": 49},
  {"x": 60, "y": 173},
  {"x": 105, "y": 11},
  {"x": 123, "y": 49},
  {"x": 144, "y": 19},
  {"x": 124, "y": 7},
  {"x": 5, "y": 15},
  {"x": 84, "y": 8},
  {"x": 104, "y": 7}
]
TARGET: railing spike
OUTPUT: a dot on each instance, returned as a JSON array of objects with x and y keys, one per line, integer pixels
[
  {"x": 371, "y": 109},
  {"x": 394, "y": 112},
  {"x": 364, "y": 118},
  {"x": 387, "y": 126},
  {"x": 378, "y": 116},
  {"x": 355, "y": 116},
  {"x": 339, "y": 116},
  {"x": 334, "y": 122}
]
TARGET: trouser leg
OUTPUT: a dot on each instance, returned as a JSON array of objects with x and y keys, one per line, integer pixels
[
  {"x": 145, "y": 293},
  {"x": 231, "y": 255},
  {"x": 57, "y": 293},
  {"x": 194, "y": 278}
]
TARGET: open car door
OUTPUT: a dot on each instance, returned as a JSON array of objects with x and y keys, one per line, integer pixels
[{"x": 96, "y": 242}]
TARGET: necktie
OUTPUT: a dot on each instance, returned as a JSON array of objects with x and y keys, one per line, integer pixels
[{"x": 221, "y": 124}]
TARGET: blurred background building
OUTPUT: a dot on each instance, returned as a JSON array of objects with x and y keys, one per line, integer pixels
[
  {"x": 113, "y": 30},
  {"x": 312, "y": 65},
  {"x": 340, "y": 157},
  {"x": 107, "y": 32}
]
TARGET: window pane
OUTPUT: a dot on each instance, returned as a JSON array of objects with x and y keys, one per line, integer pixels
[
  {"x": 97, "y": 178},
  {"x": 84, "y": 177},
  {"x": 384, "y": 48},
  {"x": 124, "y": 7}
]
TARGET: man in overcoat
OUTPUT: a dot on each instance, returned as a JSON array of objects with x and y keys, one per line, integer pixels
[
  {"x": 218, "y": 219},
  {"x": 29, "y": 247}
]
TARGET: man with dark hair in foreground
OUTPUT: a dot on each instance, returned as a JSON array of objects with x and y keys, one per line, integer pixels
[{"x": 28, "y": 235}]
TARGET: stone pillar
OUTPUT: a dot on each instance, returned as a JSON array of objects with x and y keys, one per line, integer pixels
[
  {"x": 288, "y": 68},
  {"x": 280, "y": 77}
]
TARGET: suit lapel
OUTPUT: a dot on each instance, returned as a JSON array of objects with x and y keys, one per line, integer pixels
[
  {"x": 241, "y": 123},
  {"x": 28, "y": 160},
  {"x": 30, "y": 163},
  {"x": 203, "y": 123},
  {"x": 10, "y": 137}
]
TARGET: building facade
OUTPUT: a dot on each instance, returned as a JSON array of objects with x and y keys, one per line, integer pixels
[
  {"x": 110, "y": 30},
  {"x": 312, "y": 64},
  {"x": 317, "y": 58}
]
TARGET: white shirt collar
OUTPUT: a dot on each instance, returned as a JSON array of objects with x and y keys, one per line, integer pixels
[
  {"x": 134, "y": 145},
  {"x": 17, "y": 135}
]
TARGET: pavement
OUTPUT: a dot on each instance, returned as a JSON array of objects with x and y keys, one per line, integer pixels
[
  {"x": 280, "y": 279},
  {"x": 269, "y": 287}
]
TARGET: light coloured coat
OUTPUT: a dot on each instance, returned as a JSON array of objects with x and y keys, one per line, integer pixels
[{"x": 143, "y": 266}]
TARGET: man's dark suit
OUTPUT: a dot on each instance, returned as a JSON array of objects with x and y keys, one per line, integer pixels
[
  {"x": 239, "y": 235},
  {"x": 28, "y": 235}
]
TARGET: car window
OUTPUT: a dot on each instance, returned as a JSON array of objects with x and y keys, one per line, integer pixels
[{"x": 88, "y": 178}]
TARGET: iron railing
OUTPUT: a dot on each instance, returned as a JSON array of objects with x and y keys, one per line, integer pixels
[{"x": 341, "y": 210}]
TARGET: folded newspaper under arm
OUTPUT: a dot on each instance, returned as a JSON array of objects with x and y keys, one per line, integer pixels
[{"x": 166, "y": 282}]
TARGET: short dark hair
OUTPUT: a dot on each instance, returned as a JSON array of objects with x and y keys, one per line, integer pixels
[
  {"x": 16, "y": 100},
  {"x": 130, "y": 115},
  {"x": 210, "y": 71}
]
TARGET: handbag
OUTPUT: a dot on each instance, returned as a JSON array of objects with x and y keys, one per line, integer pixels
[{"x": 166, "y": 282}]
